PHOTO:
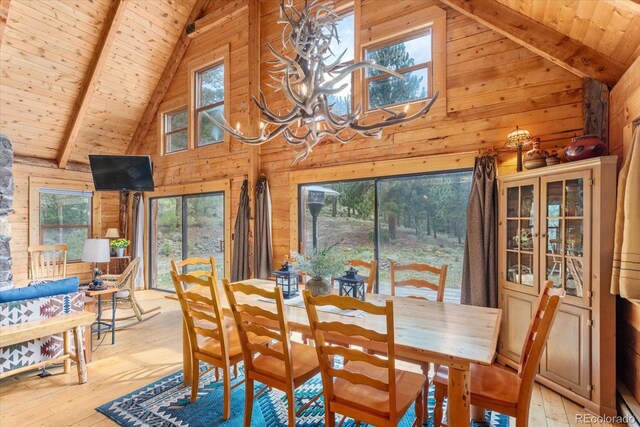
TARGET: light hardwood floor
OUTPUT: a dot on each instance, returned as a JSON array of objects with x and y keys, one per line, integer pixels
[{"x": 144, "y": 353}]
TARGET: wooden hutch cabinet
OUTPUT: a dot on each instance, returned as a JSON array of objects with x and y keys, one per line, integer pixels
[{"x": 557, "y": 223}]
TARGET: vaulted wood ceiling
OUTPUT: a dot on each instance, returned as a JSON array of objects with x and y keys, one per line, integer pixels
[{"x": 77, "y": 75}]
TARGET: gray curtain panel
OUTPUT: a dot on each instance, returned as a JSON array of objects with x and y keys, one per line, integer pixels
[
  {"x": 263, "y": 250},
  {"x": 480, "y": 267},
  {"x": 240, "y": 260},
  {"x": 137, "y": 237}
]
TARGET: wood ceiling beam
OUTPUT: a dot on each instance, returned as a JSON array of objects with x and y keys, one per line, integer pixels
[
  {"x": 4, "y": 14},
  {"x": 109, "y": 33},
  {"x": 545, "y": 41},
  {"x": 49, "y": 163},
  {"x": 218, "y": 17},
  {"x": 167, "y": 76}
]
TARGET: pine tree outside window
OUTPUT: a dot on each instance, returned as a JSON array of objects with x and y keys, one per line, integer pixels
[
  {"x": 410, "y": 57},
  {"x": 209, "y": 100}
]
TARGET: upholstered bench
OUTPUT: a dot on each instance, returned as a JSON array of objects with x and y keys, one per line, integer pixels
[{"x": 35, "y": 325}]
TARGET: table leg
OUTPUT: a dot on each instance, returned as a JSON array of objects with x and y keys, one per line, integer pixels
[
  {"x": 186, "y": 355},
  {"x": 99, "y": 319},
  {"x": 88, "y": 342},
  {"x": 459, "y": 397},
  {"x": 80, "y": 362},
  {"x": 113, "y": 319}
]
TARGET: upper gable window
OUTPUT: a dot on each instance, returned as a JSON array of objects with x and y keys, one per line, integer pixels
[
  {"x": 409, "y": 56},
  {"x": 209, "y": 102},
  {"x": 345, "y": 43},
  {"x": 175, "y": 131}
]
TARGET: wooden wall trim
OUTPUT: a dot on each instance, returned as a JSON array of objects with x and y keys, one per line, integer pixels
[
  {"x": 545, "y": 41},
  {"x": 35, "y": 184},
  {"x": 165, "y": 80},
  {"x": 4, "y": 13},
  {"x": 109, "y": 33},
  {"x": 223, "y": 185},
  {"x": 375, "y": 169},
  {"x": 218, "y": 17}
]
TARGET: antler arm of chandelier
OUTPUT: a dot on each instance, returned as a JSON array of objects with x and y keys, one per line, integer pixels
[{"x": 393, "y": 121}]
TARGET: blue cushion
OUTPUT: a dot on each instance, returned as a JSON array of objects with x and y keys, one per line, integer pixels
[{"x": 57, "y": 287}]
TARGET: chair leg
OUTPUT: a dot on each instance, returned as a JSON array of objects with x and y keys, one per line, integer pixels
[
  {"x": 425, "y": 392},
  {"x": 226, "y": 413},
  {"x": 195, "y": 378},
  {"x": 329, "y": 417},
  {"x": 291, "y": 399},
  {"x": 248, "y": 401},
  {"x": 440, "y": 394},
  {"x": 420, "y": 409},
  {"x": 137, "y": 310}
]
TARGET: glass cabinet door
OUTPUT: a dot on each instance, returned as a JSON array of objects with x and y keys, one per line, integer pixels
[
  {"x": 566, "y": 206},
  {"x": 521, "y": 236}
]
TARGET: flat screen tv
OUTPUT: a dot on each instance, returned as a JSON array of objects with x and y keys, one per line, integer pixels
[{"x": 121, "y": 173}]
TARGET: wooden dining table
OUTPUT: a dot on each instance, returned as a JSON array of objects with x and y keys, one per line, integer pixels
[{"x": 446, "y": 334}]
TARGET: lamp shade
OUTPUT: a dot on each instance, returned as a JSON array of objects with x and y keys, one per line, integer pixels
[
  {"x": 96, "y": 250},
  {"x": 112, "y": 233},
  {"x": 518, "y": 137}
]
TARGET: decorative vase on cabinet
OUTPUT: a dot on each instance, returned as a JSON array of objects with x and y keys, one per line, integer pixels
[{"x": 556, "y": 223}]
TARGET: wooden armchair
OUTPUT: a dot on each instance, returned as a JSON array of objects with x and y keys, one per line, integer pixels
[
  {"x": 496, "y": 388},
  {"x": 48, "y": 262},
  {"x": 126, "y": 297}
]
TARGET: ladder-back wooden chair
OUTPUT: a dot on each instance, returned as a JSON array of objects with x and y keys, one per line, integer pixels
[
  {"x": 196, "y": 267},
  {"x": 371, "y": 266},
  {"x": 419, "y": 283},
  {"x": 367, "y": 388},
  {"x": 498, "y": 389},
  {"x": 126, "y": 296},
  {"x": 283, "y": 364},
  {"x": 211, "y": 339},
  {"x": 48, "y": 262}
]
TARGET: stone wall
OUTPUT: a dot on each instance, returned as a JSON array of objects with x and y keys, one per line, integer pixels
[{"x": 6, "y": 200}]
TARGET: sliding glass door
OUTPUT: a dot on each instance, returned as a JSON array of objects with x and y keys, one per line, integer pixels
[
  {"x": 406, "y": 219},
  {"x": 184, "y": 227}
]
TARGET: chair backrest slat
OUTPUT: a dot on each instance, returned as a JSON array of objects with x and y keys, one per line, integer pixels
[
  {"x": 420, "y": 283},
  {"x": 209, "y": 324},
  {"x": 256, "y": 323},
  {"x": 201, "y": 271},
  {"x": 48, "y": 261},
  {"x": 321, "y": 330},
  {"x": 372, "y": 266}
]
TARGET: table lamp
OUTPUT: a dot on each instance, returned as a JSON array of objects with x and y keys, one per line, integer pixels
[
  {"x": 518, "y": 138},
  {"x": 95, "y": 251},
  {"x": 112, "y": 233}
]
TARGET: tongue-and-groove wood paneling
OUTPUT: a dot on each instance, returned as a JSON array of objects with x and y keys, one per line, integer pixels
[{"x": 493, "y": 85}]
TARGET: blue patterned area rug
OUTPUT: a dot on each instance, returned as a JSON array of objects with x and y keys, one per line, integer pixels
[{"x": 166, "y": 403}]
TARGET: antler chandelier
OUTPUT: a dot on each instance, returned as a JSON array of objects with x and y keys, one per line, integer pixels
[{"x": 308, "y": 80}]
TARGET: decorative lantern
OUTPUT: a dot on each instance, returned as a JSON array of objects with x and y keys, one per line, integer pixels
[
  {"x": 287, "y": 278},
  {"x": 352, "y": 284}
]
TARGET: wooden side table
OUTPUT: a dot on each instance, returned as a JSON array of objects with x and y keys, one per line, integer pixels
[{"x": 100, "y": 326}]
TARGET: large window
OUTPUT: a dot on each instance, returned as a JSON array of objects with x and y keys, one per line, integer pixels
[
  {"x": 184, "y": 227},
  {"x": 65, "y": 217},
  {"x": 175, "y": 137},
  {"x": 410, "y": 57},
  {"x": 344, "y": 46},
  {"x": 407, "y": 219},
  {"x": 209, "y": 102}
]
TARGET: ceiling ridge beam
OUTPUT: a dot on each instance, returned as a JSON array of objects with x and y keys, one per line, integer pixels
[
  {"x": 541, "y": 39},
  {"x": 109, "y": 33},
  {"x": 169, "y": 72}
]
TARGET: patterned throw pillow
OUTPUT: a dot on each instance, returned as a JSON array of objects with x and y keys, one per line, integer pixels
[{"x": 38, "y": 282}]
